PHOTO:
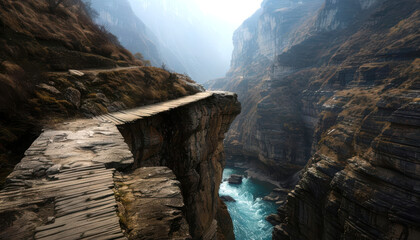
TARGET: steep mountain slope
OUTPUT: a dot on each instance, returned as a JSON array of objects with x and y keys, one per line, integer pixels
[
  {"x": 38, "y": 47},
  {"x": 266, "y": 132},
  {"x": 119, "y": 18},
  {"x": 342, "y": 92}
]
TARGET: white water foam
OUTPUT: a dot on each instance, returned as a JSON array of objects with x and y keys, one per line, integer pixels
[{"x": 249, "y": 211}]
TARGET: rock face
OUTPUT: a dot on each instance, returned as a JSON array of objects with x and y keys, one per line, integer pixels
[
  {"x": 131, "y": 31},
  {"x": 235, "y": 179},
  {"x": 268, "y": 132},
  {"x": 189, "y": 141},
  {"x": 151, "y": 204},
  {"x": 342, "y": 92},
  {"x": 73, "y": 95},
  {"x": 227, "y": 199}
]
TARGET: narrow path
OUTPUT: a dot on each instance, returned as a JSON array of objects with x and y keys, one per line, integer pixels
[
  {"x": 96, "y": 71},
  {"x": 125, "y": 116}
]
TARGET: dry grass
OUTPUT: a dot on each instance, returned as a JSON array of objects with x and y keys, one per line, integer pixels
[
  {"x": 35, "y": 43},
  {"x": 45, "y": 32}
]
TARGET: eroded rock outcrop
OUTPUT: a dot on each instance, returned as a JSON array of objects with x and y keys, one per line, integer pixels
[
  {"x": 151, "y": 204},
  {"x": 235, "y": 179},
  {"x": 189, "y": 140}
]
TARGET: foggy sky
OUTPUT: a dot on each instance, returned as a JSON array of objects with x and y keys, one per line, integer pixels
[{"x": 198, "y": 32}]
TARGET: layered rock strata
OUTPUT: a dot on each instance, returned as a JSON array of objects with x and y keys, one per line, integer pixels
[
  {"x": 268, "y": 135},
  {"x": 339, "y": 101}
]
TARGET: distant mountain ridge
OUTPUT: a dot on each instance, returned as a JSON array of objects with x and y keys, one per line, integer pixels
[
  {"x": 186, "y": 33},
  {"x": 118, "y": 17}
]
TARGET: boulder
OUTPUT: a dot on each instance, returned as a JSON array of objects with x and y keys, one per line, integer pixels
[
  {"x": 235, "y": 179},
  {"x": 277, "y": 195},
  {"x": 271, "y": 198},
  {"x": 274, "y": 219},
  {"x": 102, "y": 97},
  {"x": 73, "y": 95},
  {"x": 81, "y": 86},
  {"x": 227, "y": 199},
  {"x": 49, "y": 88}
]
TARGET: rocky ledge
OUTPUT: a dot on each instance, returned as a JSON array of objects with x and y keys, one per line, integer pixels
[
  {"x": 67, "y": 185},
  {"x": 189, "y": 140}
]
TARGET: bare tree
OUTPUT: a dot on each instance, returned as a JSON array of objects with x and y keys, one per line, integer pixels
[{"x": 53, "y": 4}]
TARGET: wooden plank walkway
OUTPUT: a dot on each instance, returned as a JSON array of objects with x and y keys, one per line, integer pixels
[
  {"x": 126, "y": 116},
  {"x": 72, "y": 166},
  {"x": 84, "y": 205},
  {"x": 67, "y": 165}
]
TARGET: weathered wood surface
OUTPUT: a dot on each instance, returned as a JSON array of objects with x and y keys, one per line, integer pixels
[
  {"x": 122, "y": 117},
  {"x": 63, "y": 187},
  {"x": 84, "y": 205},
  {"x": 66, "y": 165}
]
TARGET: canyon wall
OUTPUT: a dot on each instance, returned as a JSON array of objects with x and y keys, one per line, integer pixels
[
  {"x": 189, "y": 140},
  {"x": 269, "y": 133},
  {"x": 340, "y": 102}
]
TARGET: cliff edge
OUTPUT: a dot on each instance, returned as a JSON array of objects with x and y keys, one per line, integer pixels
[{"x": 154, "y": 175}]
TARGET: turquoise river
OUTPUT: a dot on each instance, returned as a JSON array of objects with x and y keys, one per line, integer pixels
[{"x": 249, "y": 211}]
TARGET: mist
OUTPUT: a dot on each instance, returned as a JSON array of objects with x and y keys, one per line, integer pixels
[{"x": 198, "y": 33}]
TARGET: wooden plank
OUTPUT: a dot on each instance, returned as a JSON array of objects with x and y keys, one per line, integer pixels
[
  {"x": 81, "y": 176},
  {"x": 115, "y": 119},
  {"x": 77, "y": 184},
  {"x": 94, "y": 168},
  {"x": 88, "y": 210},
  {"x": 75, "y": 229},
  {"x": 76, "y": 169},
  {"x": 63, "y": 222},
  {"x": 82, "y": 206},
  {"x": 78, "y": 194},
  {"x": 110, "y": 119}
]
